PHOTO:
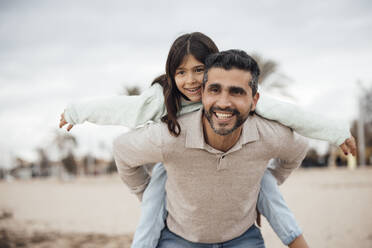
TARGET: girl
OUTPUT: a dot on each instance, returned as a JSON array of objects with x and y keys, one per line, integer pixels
[{"x": 178, "y": 92}]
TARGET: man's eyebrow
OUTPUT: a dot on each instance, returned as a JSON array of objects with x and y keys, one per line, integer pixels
[
  {"x": 237, "y": 89},
  {"x": 214, "y": 85}
]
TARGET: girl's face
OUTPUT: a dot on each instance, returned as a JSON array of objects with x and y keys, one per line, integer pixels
[{"x": 189, "y": 78}]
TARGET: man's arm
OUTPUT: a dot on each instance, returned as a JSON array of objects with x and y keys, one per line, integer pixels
[
  {"x": 133, "y": 150},
  {"x": 292, "y": 151}
]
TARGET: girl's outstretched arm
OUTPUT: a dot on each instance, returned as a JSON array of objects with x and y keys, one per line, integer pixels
[
  {"x": 129, "y": 111},
  {"x": 308, "y": 124}
]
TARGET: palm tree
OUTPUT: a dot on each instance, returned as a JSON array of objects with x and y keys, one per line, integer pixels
[
  {"x": 65, "y": 143},
  {"x": 270, "y": 79}
]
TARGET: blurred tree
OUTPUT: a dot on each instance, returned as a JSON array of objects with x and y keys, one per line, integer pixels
[
  {"x": 42, "y": 169},
  {"x": 2, "y": 173},
  {"x": 270, "y": 79},
  {"x": 65, "y": 143},
  {"x": 70, "y": 164},
  {"x": 112, "y": 167},
  {"x": 367, "y": 132},
  {"x": 367, "y": 106},
  {"x": 89, "y": 162},
  {"x": 131, "y": 90},
  {"x": 365, "y": 122}
]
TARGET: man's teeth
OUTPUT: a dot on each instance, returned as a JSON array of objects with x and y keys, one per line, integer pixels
[{"x": 223, "y": 115}]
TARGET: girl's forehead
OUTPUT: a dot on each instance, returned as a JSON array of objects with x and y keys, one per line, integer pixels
[{"x": 189, "y": 61}]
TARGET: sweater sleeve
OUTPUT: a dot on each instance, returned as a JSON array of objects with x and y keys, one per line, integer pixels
[
  {"x": 129, "y": 111},
  {"x": 134, "y": 149},
  {"x": 292, "y": 150},
  {"x": 308, "y": 124}
]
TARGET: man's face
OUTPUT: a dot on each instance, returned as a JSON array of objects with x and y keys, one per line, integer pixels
[{"x": 227, "y": 99}]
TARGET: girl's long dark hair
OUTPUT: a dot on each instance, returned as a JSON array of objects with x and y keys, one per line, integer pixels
[{"x": 200, "y": 46}]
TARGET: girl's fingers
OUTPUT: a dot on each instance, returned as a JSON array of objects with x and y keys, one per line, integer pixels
[
  {"x": 351, "y": 144},
  {"x": 69, "y": 127},
  {"x": 344, "y": 148},
  {"x": 62, "y": 123}
]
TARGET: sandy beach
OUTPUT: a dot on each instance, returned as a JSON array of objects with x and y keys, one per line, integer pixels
[{"x": 333, "y": 207}]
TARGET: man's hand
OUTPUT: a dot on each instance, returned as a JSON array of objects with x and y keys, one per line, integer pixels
[
  {"x": 63, "y": 122},
  {"x": 349, "y": 146}
]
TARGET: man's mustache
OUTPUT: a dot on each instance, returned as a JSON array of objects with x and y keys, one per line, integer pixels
[{"x": 233, "y": 111}]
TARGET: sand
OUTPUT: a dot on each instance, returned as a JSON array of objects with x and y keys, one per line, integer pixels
[{"x": 333, "y": 207}]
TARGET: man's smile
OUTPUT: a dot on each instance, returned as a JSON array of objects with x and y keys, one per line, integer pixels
[{"x": 223, "y": 117}]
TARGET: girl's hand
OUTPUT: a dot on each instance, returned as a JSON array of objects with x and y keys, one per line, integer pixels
[
  {"x": 349, "y": 146},
  {"x": 63, "y": 122}
]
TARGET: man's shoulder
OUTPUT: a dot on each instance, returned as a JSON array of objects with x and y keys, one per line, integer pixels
[
  {"x": 273, "y": 130},
  {"x": 188, "y": 119}
]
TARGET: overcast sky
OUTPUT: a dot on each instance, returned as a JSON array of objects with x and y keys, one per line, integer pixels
[{"x": 56, "y": 52}]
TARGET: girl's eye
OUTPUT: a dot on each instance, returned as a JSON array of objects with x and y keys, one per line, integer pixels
[
  {"x": 200, "y": 69},
  {"x": 180, "y": 73}
]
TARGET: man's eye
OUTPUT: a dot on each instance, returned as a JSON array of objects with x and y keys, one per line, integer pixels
[
  {"x": 214, "y": 90},
  {"x": 237, "y": 92}
]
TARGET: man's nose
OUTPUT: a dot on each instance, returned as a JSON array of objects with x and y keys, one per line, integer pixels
[{"x": 224, "y": 101}]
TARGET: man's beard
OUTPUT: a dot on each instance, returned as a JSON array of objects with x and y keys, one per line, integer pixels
[{"x": 222, "y": 131}]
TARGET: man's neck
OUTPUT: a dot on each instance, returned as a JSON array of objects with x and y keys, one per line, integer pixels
[{"x": 220, "y": 142}]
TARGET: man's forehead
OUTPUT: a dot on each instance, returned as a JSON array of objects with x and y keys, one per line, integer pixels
[{"x": 232, "y": 77}]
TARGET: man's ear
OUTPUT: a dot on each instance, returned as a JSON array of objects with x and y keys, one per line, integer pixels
[{"x": 255, "y": 100}]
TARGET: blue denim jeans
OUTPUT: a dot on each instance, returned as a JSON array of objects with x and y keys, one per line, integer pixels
[
  {"x": 252, "y": 238},
  {"x": 153, "y": 210}
]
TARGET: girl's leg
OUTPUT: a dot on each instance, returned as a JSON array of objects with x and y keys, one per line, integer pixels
[
  {"x": 272, "y": 205},
  {"x": 153, "y": 211}
]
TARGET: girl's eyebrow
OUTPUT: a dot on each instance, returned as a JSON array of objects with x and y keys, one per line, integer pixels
[{"x": 182, "y": 68}]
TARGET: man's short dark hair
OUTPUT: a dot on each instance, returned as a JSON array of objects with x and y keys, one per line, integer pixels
[{"x": 230, "y": 59}]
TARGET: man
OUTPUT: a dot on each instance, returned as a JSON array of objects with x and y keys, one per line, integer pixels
[{"x": 216, "y": 164}]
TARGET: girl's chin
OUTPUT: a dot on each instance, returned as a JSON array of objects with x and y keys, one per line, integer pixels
[
  {"x": 195, "y": 98},
  {"x": 192, "y": 98}
]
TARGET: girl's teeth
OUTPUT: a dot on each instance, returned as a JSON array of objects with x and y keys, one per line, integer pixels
[{"x": 194, "y": 89}]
